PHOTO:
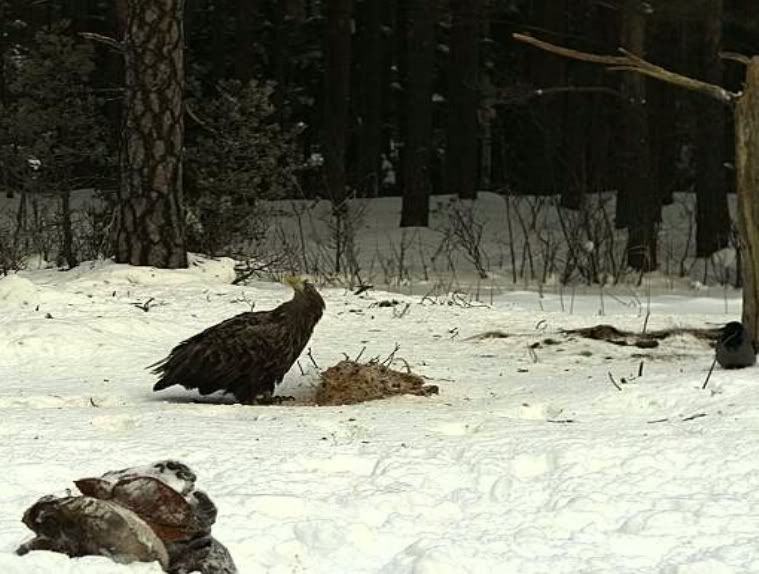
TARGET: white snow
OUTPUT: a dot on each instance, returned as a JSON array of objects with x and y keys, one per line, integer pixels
[{"x": 526, "y": 462}]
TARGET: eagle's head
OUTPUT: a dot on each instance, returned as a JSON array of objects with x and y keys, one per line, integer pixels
[
  {"x": 306, "y": 297},
  {"x": 297, "y": 282}
]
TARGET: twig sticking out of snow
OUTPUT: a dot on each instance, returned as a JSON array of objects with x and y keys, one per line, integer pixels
[
  {"x": 310, "y": 356},
  {"x": 146, "y": 306},
  {"x": 709, "y": 374},
  {"x": 613, "y": 382}
]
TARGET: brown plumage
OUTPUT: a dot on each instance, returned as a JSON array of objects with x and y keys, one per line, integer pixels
[{"x": 248, "y": 354}]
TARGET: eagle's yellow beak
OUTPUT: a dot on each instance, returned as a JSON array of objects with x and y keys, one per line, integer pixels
[{"x": 297, "y": 282}]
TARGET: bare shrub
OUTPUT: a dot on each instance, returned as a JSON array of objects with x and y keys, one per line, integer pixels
[
  {"x": 343, "y": 223},
  {"x": 465, "y": 231}
]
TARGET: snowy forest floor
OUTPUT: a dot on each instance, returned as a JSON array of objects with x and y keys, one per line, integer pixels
[{"x": 530, "y": 460}]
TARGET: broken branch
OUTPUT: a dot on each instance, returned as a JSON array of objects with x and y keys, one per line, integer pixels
[{"x": 629, "y": 62}]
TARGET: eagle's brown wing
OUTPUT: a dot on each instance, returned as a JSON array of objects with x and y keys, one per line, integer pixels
[{"x": 242, "y": 355}]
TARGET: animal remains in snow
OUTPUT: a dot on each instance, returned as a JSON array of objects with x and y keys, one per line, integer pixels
[
  {"x": 249, "y": 354},
  {"x": 142, "y": 514},
  {"x": 350, "y": 382}
]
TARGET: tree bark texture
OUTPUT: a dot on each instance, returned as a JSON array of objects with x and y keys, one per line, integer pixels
[
  {"x": 747, "y": 171},
  {"x": 712, "y": 215},
  {"x": 337, "y": 56},
  {"x": 462, "y": 137},
  {"x": 149, "y": 227},
  {"x": 638, "y": 204},
  {"x": 417, "y": 149}
]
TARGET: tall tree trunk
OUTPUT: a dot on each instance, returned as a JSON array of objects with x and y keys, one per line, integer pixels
[
  {"x": 486, "y": 110},
  {"x": 462, "y": 141},
  {"x": 712, "y": 215},
  {"x": 662, "y": 109},
  {"x": 121, "y": 9},
  {"x": 280, "y": 54},
  {"x": 549, "y": 167},
  {"x": 337, "y": 56},
  {"x": 580, "y": 111},
  {"x": 372, "y": 78},
  {"x": 218, "y": 56},
  {"x": 149, "y": 227},
  {"x": 67, "y": 234},
  {"x": 747, "y": 185},
  {"x": 417, "y": 148},
  {"x": 637, "y": 197},
  {"x": 245, "y": 48}
]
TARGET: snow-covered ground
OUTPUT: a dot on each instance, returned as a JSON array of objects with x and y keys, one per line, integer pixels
[{"x": 528, "y": 461}]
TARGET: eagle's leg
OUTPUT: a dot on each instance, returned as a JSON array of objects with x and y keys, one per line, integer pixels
[
  {"x": 245, "y": 397},
  {"x": 280, "y": 399},
  {"x": 267, "y": 398},
  {"x": 264, "y": 398}
]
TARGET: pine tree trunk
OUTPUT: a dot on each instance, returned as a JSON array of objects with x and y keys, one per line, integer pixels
[
  {"x": 417, "y": 149},
  {"x": 486, "y": 108},
  {"x": 580, "y": 111},
  {"x": 218, "y": 56},
  {"x": 712, "y": 215},
  {"x": 462, "y": 139},
  {"x": 747, "y": 171},
  {"x": 281, "y": 57},
  {"x": 337, "y": 55},
  {"x": 67, "y": 234},
  {"x": 149, "y": 228},
  {"x": 371, "y": 82},
  {"x": 245, "y": 53},
  {"x": 663, "y": 110},
  {"x": 548, "y": 165},
  {"x": 637, "y": 195}
]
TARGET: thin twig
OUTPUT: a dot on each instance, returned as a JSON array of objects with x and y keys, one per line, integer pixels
[
  {"x": 645, "y": 322},
  {"x": 146, "y": 305},
  {"x": 391, "y": 357},
  {"x": 310, "y": 356},
  {"x": 709, "y": 374},
  {"x": 106, "y": 40},
  {"x": 693, "y": 417},
  {"x": 613, "y": 382}
]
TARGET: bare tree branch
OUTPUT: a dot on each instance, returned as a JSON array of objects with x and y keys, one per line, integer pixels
[
  {"x": 735, "y": 57},
  {"x": 517, "y": 95},
  {"x": 632, "y": 63},
  {"x": 101, "y": 39}
]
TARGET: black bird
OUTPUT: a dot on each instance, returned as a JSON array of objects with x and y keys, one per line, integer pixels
[
  {"x": 735, "y": 347},
  {"x": 248, "y": 354}
]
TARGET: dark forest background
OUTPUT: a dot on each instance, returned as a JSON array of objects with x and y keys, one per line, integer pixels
[{"x": 339, "y": 99}]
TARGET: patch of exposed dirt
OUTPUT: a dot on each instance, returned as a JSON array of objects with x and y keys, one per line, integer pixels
[{"x": 648, "y": 340}]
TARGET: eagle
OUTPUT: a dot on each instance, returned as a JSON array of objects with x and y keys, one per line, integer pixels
[{"x": 246, "y": 355}]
